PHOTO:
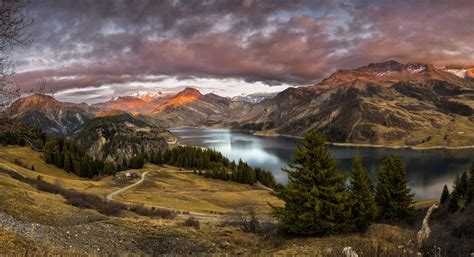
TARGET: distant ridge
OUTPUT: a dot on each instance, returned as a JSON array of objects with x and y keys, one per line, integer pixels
[{"x": 387, "y": 103}]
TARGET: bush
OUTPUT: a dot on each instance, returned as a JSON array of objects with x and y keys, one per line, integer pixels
[
  {"x": 244, "y": 217},
  {"x": 452, "y": 233},
  {"x": 140, "y": 209},
  {"x": 192, "y": 222}
]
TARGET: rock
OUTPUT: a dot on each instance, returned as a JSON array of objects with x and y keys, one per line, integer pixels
[
  {"x": 348, "y": 252},
  {"x": 425, "y": 231}
]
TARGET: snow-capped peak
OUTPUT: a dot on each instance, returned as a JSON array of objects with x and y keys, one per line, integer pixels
[{"x": 147, "y": 96}]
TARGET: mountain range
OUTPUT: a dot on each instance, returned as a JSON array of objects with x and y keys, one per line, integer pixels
[
  {"x": 382, "y": 103},
  {"x": 386, "y": 103}
]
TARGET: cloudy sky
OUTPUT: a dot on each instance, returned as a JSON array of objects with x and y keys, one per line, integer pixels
[{"x": 89, "y": 50}]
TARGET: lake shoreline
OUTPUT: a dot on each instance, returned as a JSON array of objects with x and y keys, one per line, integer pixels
[
  {"x": 367, "y": 145},
  {"x": 263, "y": 134},
  {"x": 425, "y": 169}
]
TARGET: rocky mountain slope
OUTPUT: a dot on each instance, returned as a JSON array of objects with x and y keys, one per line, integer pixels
[
  {"x": 106, "y": 134},
  {"x": 139, "y": 103},
  {"x": 253, "y": 98},
  {"x": 118, "y": 138},
  {"x": 461, "y": 71},
  {"x": 190, "y": 108},
  {"x": 383, "y": 103},
  {"x": 53, "y": 117},
  {"x": 129, "y": 104}
]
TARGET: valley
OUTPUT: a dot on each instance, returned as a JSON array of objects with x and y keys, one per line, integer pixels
[{"x": 237, "y": 128}]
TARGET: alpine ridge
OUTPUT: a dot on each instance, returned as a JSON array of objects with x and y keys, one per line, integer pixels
[
  {"x": 385, "y": 103},
  {"x": 388, "y": 103}
]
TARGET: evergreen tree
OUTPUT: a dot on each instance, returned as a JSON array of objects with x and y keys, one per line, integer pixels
[
  {"x": 393, "y": 196},
  {"x": 137, "y": 162},
  {"x": 158, "y": 159},
  {"x": 316, "y": 196},
  {"x": 109, "y": 169},
  {"x": 58, "y": 158},
  {"x": 363, "y": 207},
  {"x": 444, "y": 195},
  {"x": 470, "y": 190},
  {"x": 453, "y": 203},
  {"x": 67, "y": 162},
  {"x": 456, "y": 184},
  {"x": 462, "y": 186},
  {"x": 49, "y": 147}
]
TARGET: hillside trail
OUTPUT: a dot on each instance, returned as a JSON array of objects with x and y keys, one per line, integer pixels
[{"x": 179, "y": 213}]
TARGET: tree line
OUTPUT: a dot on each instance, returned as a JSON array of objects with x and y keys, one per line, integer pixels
[
  {"x": 68, "y": 155},
  {"x": 212, "y": 164},
  {"x": 462, "y": 194},
  {"x": 319, "y": 202}
]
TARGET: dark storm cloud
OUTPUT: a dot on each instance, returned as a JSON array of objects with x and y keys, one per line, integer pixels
[{"x": 93, "y": 43}]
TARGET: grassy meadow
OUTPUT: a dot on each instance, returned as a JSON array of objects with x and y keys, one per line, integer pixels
[{"x": 68, "y": 230}]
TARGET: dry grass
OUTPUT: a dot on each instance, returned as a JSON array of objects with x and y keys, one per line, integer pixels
[
  {"x": 28, "y": 204},
  {"x": 168, "y": 187},
  {"x": 51, "y": 174},
  {"x": 384, "y": 238},
  {"x": 29, "y": 157}
]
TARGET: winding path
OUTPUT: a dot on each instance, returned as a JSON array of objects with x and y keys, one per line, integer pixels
[
  {"x": 182, "y": 213},
  {"x": 110, "y": 196}
]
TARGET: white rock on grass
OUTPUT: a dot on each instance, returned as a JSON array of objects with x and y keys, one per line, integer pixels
[{"x": 348, "y": 252}]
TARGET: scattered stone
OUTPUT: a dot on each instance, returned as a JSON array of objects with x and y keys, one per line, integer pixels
[{"x": 348, "y": 252}]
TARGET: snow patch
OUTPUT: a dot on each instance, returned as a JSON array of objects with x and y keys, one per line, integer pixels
[
  {"x": 79, "y": 118},
  {"x": 416, "y": 70},
  {"x": 385, "y": 73},
  {"x": 458, "y": 72}
]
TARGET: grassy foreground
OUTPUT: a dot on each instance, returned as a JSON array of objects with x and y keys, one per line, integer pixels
[{"x": 45, "y": 224}]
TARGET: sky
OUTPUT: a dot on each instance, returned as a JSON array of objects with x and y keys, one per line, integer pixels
[{"x": 91, "y": 51}]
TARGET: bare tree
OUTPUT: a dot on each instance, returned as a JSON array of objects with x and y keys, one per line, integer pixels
[
  {"x": 13, "y": 24},
  {"x": 245, "y": 217}
]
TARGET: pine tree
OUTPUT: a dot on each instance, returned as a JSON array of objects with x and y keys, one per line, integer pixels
[
  {"x": 393, "y": 196},
  {"x": 444, "y": 195},
  {"x": 109, "y": 169},
  {"x": 316, "y": 196},
  {"x": 453, "y": 203},
  {"x": 67, "y": 162},
  {"x": 462, "y": 186},
  {"x": 470, "y": 190},
  {"x": 49, "y": 151},
  {"x": 456, "y": 184},
  {"x": 158, "y": 159},
  {"x": 363, "y": 207},
  {"x": 58, "y": 159}
]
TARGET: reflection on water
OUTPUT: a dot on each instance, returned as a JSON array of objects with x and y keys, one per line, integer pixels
[{"x": 428, "y": 170}]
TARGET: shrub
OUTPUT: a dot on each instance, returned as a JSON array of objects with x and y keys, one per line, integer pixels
[
  {"x": 452, "y": 233},
  {"x": 140, "y": 209},
  {"x": 244, "y": 217},
  {"x": 192, "y": 222}
]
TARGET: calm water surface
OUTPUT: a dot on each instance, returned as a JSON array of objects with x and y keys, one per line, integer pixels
[{"x": 428, "y": 170}]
